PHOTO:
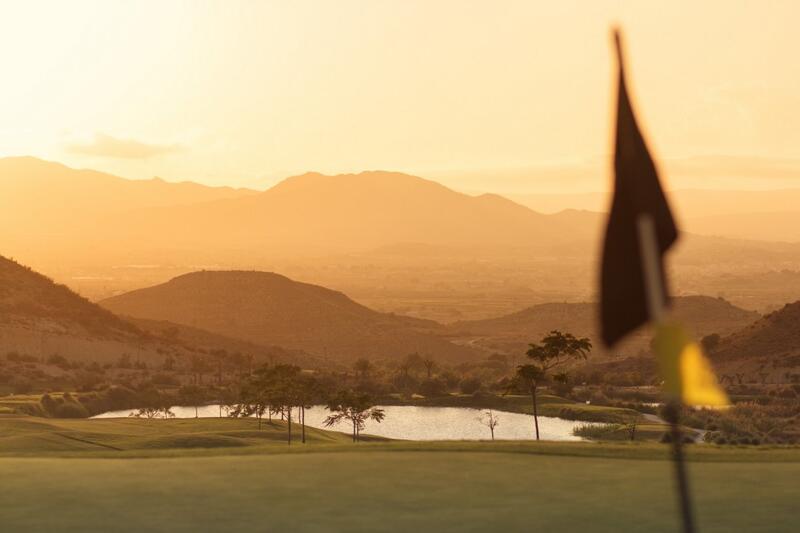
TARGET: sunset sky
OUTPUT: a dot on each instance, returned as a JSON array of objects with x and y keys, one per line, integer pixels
[{"x": 486, "y": 96}]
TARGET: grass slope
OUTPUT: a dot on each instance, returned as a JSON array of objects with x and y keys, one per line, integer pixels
[
  {"x": 65, "y": 475},
  {"x": 23, "y": 435},
  {"x": 388, "y": 491}
]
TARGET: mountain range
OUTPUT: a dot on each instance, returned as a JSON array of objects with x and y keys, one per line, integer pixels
[
  {"x": 513, "y": 332},
  {"x": 768, "y": 215},
  {"x": 395, "y": 242}
]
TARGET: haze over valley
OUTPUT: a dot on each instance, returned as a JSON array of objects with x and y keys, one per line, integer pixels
[{"x": 394, "y": 242}]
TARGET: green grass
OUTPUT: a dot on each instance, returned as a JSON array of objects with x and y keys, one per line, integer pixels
[
  {"x": 22, "y": 403},
  {"x": 617, "y": 432},
  {"x": 23, "y": 435},
  {"x": 131, "y": 475}
]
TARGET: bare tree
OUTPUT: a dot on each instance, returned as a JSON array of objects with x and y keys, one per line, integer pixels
[
  {"x": 489, "y": 420},
  {"x": 430, "y": 366},
  {"x": 631, "y": 426}
]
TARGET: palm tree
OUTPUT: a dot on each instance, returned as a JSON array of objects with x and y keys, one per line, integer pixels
[
  {"x": 530, "y": 375},
  {"x": 556, "y": 348}
]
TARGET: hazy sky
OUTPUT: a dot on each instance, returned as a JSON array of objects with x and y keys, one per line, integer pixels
[{"x": 502, "y": 96}]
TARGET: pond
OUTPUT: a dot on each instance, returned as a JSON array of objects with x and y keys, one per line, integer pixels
[{"x": 422, "y": 423}]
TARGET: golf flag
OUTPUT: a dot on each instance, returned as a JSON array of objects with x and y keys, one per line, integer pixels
[
  {"x": 686, "y": 371},
  {"x": 638, "y": 201},
  {"x": 633, "y": 286}
]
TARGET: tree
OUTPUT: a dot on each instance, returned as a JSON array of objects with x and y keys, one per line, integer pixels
[
  {"x": 307, "y": 391},
  {"x": 362, "y": 367},
  {"x": 631, "y": 426},
  {"x": 355, "y": 407},
  {"x": 191, "y": 395},
  {"x": 411, "y": 363},
  {"x": 229, "y": 399},
  {"x": 272, "y": 389},
  {"x": 199, "y": 366},
  {"x": 430, "y": 365},
  {"x": 529, "y": 376},
  {"x": 554, "y": 350},
  {"x": 253, "y": 401},
  {"x": 220, "y": 355},
  {"x": 146, "y": 412},
  {"x": 489, "y": 420},
  {"x": 710, "y": 342}
]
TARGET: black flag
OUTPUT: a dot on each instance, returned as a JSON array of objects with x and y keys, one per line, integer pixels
[{"x": 630, "y": 292}]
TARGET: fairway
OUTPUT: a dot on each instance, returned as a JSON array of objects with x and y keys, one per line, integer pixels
[
  {"x": 132, "y": 475},
  {"x": 393, "y": 490}
]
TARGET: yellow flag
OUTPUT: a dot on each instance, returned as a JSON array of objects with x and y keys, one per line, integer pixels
[{"x": 685, "y": 369}]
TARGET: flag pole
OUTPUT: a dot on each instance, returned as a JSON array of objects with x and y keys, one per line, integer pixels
[{"x": 654, "y": 292}]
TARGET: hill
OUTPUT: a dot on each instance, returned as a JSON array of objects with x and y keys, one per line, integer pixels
[
  {"x": 40, "y": 319},
  {"x": 768, "y": 349},
  {"x": 512, "y": 333},
  {"x": 29, "y": 299},
  {"x": 268, "y": 308}
]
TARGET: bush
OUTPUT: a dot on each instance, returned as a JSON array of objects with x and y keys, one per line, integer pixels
[
  {"x": 162, "y": 378},
  {"x": 433, "y": 387},
  {"x": 49, "y": 404},
  {"x": 561, "y": 388},
  {"x": 71, "y": 410},
  {"x": 469, "y": 385},
  {"x": 60, "y": 361},
  {"x": 16, "y": 357}
]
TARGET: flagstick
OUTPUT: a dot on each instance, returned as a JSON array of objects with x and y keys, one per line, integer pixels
[{"x": 654, "y": 292}]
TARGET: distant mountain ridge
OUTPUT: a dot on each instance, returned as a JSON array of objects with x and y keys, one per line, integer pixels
[
  {"x": 356, "y": 212},
  {"x": 40, "y": 199},
  {"x": 268, "y": 308},
  {"x": 512, "y": 333}
]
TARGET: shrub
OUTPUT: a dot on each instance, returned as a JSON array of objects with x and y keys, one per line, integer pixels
[
  {"x": 49, "y": 404},
  {"x": 59, "y": 360},
  {"x": 433, "y": 387},
  {"x": 469, "y": 385},
  {"x": 597, "y": 432},
  {"x": 162, "y": 378},
  {"x": 71, "y": 410},
  {"x": 16, "y": 357}
]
